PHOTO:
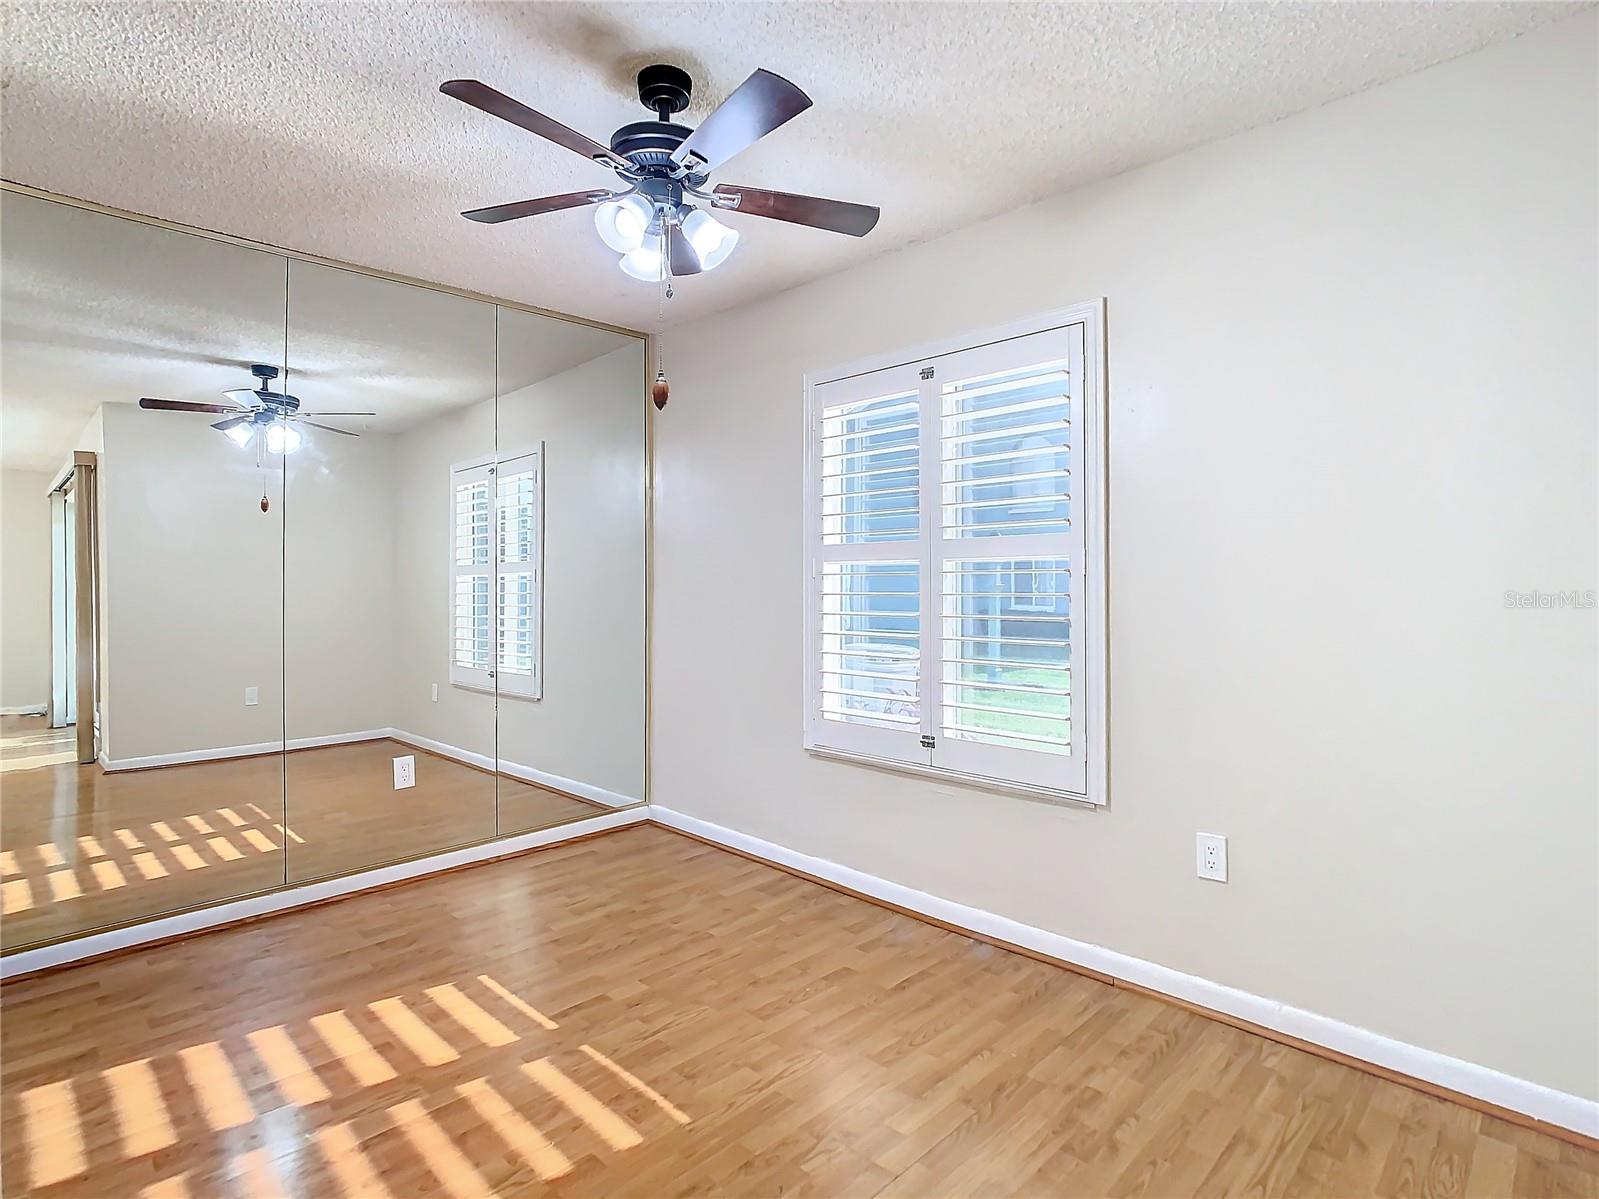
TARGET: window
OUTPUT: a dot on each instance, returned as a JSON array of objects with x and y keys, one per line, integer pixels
[
  {"x": 954, "y": 573},
  {"x": 496, "y": 574}
]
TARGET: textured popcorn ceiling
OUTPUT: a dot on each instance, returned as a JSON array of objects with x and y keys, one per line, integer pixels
[
  {"x": 319, "y": 126},
  {"x": 96, "y": 310}
]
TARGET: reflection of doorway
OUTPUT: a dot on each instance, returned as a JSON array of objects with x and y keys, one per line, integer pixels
[
  {"x": 72, "y": 604},
  {"x": 63, "y": 607}
]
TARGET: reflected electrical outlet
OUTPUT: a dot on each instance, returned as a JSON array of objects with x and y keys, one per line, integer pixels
[{"x": 404, "y": 772}]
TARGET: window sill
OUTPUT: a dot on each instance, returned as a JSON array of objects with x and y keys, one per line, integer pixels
[
  {"x": 1068, "y": 799},
  {"x": 496, "y": 692}
]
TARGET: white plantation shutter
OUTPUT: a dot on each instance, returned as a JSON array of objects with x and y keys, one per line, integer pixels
[
  {"x": 866, "y": 578},
  {"x": 472, "y": 576},
  {"x": 1009, "y": 543},
  {"x": 519, "y": 537},
  {"x": 948, "y": 633},
  {"x": 497, "y": 575}
]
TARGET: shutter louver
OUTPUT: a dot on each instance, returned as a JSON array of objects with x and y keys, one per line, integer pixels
[
  {"x": 871, "y": 478},
  {"x": 1007, "y": 653},
  {"x": 1005, "y": 449},
  {"x": 871, "y": 643}
]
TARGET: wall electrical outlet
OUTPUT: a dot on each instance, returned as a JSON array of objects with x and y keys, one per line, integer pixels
[
  {"x": 252, "y": 696},
  {"x": 1210, "y": 856},
  {"x": 435, "y": 693},
  {"x": 405, "y": 772}
]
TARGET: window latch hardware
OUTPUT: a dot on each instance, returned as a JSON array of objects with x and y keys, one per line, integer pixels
[
  {"x": 927, "y": 372},
  {"x": 927, "y": 741}
]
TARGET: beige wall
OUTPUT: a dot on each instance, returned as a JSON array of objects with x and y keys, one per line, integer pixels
[
  {"x": 1352, "y": 402},
  {"x": 424, "y": 455},
  {"x": 589, "y": 725},
  {"x": 198, "y": 578},
  {"x": 24, "y": 590},
  {"x": 340, "y": 542},
  {"x": 193, "y": 572}
]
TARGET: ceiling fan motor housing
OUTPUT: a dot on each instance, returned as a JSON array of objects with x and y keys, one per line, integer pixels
[
  {"x": 664, "y": 89},
  {"x": 271, "y": 401},
  {"x": 648, "y": 145}
]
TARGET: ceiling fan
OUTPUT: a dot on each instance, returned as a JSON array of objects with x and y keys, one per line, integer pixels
[
  {"x": 257, "y": 412},
  {"x": 651, "y": 220}
]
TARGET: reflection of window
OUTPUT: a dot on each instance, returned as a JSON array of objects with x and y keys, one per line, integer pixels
[
  {"x": 496, "y": 574},
  {"x": 955, "y": 547},
  {"x": 1032, "y": 590}
]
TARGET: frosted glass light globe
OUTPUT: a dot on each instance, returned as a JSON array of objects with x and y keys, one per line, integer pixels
[{"x": 623, "y": 224}]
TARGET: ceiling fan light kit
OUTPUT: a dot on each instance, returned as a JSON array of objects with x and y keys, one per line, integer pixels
[{"x": 659, "y": 220}]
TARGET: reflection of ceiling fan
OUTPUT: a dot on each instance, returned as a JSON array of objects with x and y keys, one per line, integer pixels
[
  {"x": 258, "y": 412},
  {"x": 648, "y": 220}
]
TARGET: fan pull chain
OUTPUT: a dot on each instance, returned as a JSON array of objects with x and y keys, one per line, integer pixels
[
  {"x": 660, "y": 390},
  {"x": 261, "y": 466}
]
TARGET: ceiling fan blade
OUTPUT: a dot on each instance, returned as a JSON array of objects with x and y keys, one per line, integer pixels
[
  {"x": 329, "y": 428},
  {"x": 243, "y": 396},
  {"x": 224, "y": 425},
  {"x": 510, "y": 212},
  {"x": 757, "y": 106},
  {"x": 186, "y": 406},
  {"x": 680, "y": 255},
  {"x": 498, "y": 104},
  {"x": 302, "y": 414},
  {"x": 839, "y": 216}
]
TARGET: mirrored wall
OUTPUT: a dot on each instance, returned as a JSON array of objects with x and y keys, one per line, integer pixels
[{"x": 364, "y": 580}]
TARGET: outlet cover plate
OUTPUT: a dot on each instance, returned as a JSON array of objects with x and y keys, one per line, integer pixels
[
  {"x": 404, "y": 772},
  {"x": 1210, "y": 856}
]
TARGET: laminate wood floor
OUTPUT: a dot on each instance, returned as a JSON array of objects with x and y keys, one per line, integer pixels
[
  {"x": 640, "y": 1014},
  {"x": 81, "y": 849}
]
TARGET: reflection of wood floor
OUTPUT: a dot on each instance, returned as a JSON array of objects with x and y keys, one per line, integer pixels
[
  {"x": 80, "y": 848},
  {"x": 643, "y": 1015}
]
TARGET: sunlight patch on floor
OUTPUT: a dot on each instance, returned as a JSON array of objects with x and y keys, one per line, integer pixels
[{"x": 236, "y": 1091}]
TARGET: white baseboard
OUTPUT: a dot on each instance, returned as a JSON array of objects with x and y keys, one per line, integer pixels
[
  {"x": 240, "y": 751},
  {"x": 1518, "y": 1094},
  {"x": 94, "y": 945},
  {"x": 528, "y": 774},
  {"x": 25, "y": 710}
]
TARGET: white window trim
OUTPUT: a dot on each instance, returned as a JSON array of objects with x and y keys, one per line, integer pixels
[
  {"x": 466, "y": 678},
  {"x": 1091, "y": 683}
]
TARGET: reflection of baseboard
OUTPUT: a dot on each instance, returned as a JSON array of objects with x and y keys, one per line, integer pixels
[
  {"x": 527, "y": 774},
  {"x": 24, "y": 710},
  {"x": 240, "y": 751},
  {"x": 23, "y": 962},
  {"x": 1479, "y": 1087}
]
